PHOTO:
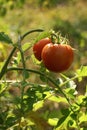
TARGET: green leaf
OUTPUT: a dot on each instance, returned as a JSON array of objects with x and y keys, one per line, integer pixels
[
  {"x": 5, "y": 38},
  {"x": 38, "y": 105},
  {"x": 65, "y": 111},
  {"x": 57, "y": 98},
  {"x": 55, "y": 114},
  {"x": 10, "y": 120},
  {"x": 61, "y": 120},
  {"x": 53, "y": 122},
  {"x": 30, "y": 102},
  {"x": 73, "y": 116},
  {"x": 82, "y": 72}
]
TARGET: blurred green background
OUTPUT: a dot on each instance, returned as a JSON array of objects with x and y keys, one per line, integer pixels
[{"x": 67, "y": 16}]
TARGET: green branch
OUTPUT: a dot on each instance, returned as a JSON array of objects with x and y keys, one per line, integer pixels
[
  {"x": 40, "y": 73},
  {"x": 4, "y": 68},
  {"x": 27, "y": 33},
  {"x": 49, "y": 78}
]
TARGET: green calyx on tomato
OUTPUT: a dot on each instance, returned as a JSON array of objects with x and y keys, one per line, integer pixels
[{"x": 56, "y": 55}]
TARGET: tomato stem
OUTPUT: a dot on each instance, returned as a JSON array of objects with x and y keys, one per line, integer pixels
[
  {"x": 56, "y": 37},
  {"x": 27, "y": 33},
  {"x": 4, "y": 68}
]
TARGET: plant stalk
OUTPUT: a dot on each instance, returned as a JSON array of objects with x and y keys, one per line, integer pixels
[{"x": 4, "y": 68}]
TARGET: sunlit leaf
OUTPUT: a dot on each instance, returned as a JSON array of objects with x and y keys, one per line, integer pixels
[
  {"x": 53, "y": 122},
  {"x": 82, "y": 72},
  {"x": 57, "y": 99},
  {"x": 38, "y": 105}
]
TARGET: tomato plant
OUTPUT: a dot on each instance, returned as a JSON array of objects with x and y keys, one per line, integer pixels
[
  {"x": 57, "y": 57},
  {"x": 52, "y": 103},
  {"x": 37, "y": 48}
]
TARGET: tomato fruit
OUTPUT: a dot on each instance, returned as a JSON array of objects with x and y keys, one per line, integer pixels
[
  {"x": 57, "y": 57},
  {"x": 37, "y": 48}
]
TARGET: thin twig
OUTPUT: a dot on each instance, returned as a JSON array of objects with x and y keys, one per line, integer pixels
[{"x": 27, "y": 33}]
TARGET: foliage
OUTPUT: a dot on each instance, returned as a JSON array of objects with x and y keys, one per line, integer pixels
[
  {"x": 5, "y": 38},
  {"x": 52, "y": 3},
  {"x": 52, "y": 103},
  {"x": 31, "y": 97}
]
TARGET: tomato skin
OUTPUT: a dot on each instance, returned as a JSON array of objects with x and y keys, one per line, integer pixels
[
  {"x": 57, "y": 57},
  {"x": 37, "y": 48}
]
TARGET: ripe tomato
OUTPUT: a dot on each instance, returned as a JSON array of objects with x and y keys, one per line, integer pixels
[
  {"x": 57, "y": 57},
  {"x": 37, "y": 48}
]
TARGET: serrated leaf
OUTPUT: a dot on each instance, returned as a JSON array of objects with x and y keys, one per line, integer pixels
[
  {"x": 5, "y": 38},
  {"x": 82, "y": 72}
]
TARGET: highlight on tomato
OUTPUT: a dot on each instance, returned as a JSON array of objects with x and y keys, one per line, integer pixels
[
  {"x": 37, "y": 48},
  {"x": 57, "y": 57}
]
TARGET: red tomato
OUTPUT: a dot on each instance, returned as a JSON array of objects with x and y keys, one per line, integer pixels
[
  {"x": 57, "y": 57},
  {"x": 37, "y": 48}
]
